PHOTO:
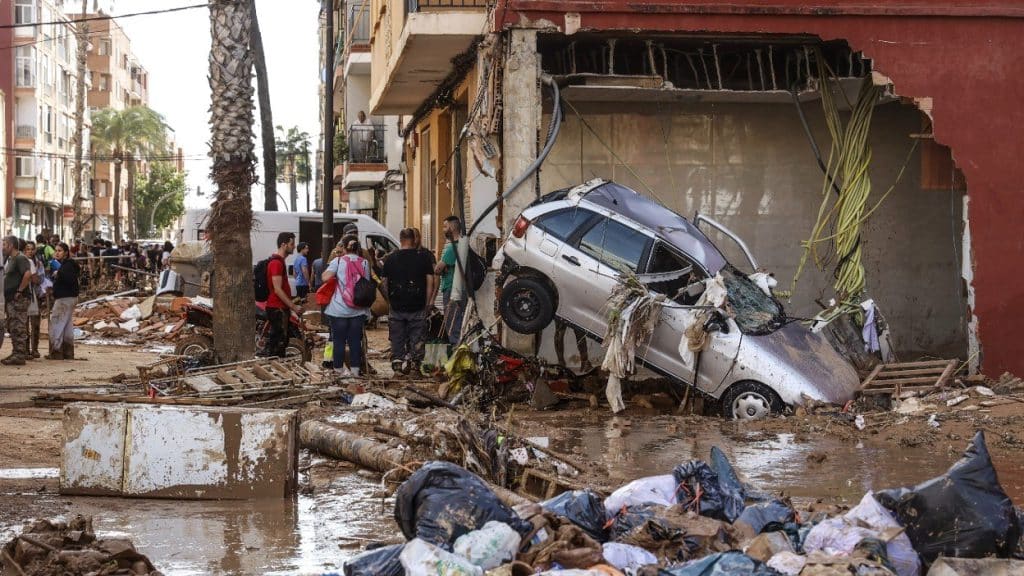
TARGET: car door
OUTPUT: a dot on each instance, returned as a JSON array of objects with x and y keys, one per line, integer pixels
[
  {"x": 662, "y": 350},
  {"x": 560, "y": 260},
  {"x": 606, "y": 250}
]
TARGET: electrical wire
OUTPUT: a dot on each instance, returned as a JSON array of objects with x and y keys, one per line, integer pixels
[{"x": 106, "y": 17}]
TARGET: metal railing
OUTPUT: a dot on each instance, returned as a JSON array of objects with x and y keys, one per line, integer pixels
[
  {"x": 417, "y": 5},
  {"x": 358, "y": 25},
  {"x": 26, "y": 131},
  {"x": 366, "y": 144}
]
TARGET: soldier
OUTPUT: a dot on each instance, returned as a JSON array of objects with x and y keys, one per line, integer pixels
[{"x": 17, "y": 282}]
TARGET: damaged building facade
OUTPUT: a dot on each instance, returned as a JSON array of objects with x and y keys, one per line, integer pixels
[{"x": 715, "y": 109}]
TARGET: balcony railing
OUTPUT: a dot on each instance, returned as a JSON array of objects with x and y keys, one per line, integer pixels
[
  {"x": 26, "y": 132},
  {"x": 366, "y": 144},
  {"x": 416, "y": 5},
  {"x": 359, "y": 22}
]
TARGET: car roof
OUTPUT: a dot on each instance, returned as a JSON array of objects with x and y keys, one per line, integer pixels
[{"x": 666, "y": 224}]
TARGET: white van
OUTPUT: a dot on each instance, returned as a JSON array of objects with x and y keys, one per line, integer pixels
[{"x": 307, "y": 226}]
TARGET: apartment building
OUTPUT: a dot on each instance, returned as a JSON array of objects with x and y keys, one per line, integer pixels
[
  {"x": 39, "y": 82},
  {"x": 117, "y": 80},
  {"x": 368, "y": 174},
  {"x": 693, "y": 103}
]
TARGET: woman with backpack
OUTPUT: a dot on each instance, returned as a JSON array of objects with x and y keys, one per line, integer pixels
[{"x": 348, "y": 309}]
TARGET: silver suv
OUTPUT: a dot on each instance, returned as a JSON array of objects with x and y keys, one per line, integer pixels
[{"x": 566, "y": 252}]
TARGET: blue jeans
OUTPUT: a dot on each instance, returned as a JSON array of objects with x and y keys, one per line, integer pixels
[{"x": 347, "y": 331}]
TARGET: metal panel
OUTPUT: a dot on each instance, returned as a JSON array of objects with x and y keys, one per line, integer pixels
[{"x": 92, "y": 459}]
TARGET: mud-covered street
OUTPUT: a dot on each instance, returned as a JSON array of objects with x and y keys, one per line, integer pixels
[{"x": 816, "y": 460}]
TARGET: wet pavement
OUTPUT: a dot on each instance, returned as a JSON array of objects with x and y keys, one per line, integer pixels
[{"x": 315, "y": 533}]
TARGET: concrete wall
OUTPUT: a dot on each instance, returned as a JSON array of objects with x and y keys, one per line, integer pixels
[{"x": 750, "y": 166}]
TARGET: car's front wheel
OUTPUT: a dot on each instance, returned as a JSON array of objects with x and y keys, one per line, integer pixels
[
  {"x": 750, "y": 401},
  {"x": 527, "y": 305}
]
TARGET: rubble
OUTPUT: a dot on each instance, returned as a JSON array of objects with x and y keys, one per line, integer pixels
[{"x": 57, "y": 548}]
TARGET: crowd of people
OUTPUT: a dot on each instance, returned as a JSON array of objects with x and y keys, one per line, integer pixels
[
  {"x": 408, "y": 278},
  {"x": 43, "y": 279}
]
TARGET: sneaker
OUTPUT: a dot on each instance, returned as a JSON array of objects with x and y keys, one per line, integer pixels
[
  {"x": 342, "y": 372},
  {"x": 13, "y": 361},
  {"x": 396, "y": 367}
]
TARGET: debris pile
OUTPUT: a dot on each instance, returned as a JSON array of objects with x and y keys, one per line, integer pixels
[
  {"x": 131, "y": 319},
  {"x": 700, "y": 520},
  {"x": 51, "y": 548}
]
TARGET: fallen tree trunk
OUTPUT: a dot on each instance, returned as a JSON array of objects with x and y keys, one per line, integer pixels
[{"x": 337, "y": 443}]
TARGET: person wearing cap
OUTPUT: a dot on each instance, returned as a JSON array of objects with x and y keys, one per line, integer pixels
[{"x": 301, "y": 269}]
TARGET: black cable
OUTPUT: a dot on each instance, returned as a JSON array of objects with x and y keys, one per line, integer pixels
[{"x": 95, "y": 18}]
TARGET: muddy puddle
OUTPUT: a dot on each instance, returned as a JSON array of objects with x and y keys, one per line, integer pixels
[
  {"x": 769, "y": 461},
  {"x": 310, "y": 534}
]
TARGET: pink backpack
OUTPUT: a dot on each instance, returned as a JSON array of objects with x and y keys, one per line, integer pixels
[{"x": 353, "y": 272}]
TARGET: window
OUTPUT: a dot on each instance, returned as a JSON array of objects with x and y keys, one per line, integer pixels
[
  {"x": 615, "y": 244},
  {"x": 381, "y": 244},
  {"x": 664, "y": 261},
  {"x": 562, "y": 223},
  {"x": 104, "y": 82},
  {"x": 23, "y": 166},
  {"x": 25, "y": 66},
  {"x": 24, "y": 11},
  {"x": 105, "y": 47}
]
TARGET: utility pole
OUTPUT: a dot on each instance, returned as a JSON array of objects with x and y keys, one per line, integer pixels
[
  {"x": 309, "y": 169},
  {"x": 83, "y": 45},
  {"x": 328, "y": 228}
]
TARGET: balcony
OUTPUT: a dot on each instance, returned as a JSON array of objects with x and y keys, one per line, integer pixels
[
  {"x": 358, "y": 23},
  {"x": 425, "y": 35},
  {"x": 366, "y": 144},
  {"x": 27, "y": 132}
]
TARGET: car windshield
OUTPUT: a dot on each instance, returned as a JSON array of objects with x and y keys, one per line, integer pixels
[{"x": 756, "y": 313}]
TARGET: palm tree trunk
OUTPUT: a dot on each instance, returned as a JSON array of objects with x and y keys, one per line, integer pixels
[
  {"x": 232, "y": 150},
  {"x": 117, "y": 197},
  {"x": 131, "y": 197},
  {"x": 83, "y": 43},
  {"x": 266, "y": 116}
]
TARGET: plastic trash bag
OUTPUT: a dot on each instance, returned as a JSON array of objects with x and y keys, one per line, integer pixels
[
  {"x": 722, "y": 494},
  {"x": 839, "y": 536},
  {"x": 733, "y": 563},
  {"x": 420, "y": 558},
  {"x": 627, "y": 556},
  {"x": 646, "y": 517},
  {"x": 660, "y": 490},
  {"x": 769, "y": 516},
  {"x": 584, "y": 509},
  {"x": 490, "y": 546},
  {"x": 442, "y": 501},
  {"x": 377, "y": 562},
  {"x": 964, "y": 513}
]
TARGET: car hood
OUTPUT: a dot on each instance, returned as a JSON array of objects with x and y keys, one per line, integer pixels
[{"x": 799, "y": 361}]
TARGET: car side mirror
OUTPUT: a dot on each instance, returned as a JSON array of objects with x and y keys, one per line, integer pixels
[{"x": 717, "y": 323}]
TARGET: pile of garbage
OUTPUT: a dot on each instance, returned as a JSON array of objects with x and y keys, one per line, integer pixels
[
  {"x": 132, "y": 319},
  {"x": 699, "y": 520},
  {"x": 51, "y": 548}
]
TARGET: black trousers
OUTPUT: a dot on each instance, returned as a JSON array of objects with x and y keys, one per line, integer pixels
[{"x": 277, "y": 338}]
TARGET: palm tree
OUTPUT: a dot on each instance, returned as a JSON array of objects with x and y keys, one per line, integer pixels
[
  {"x": 232, "y": 150},
  {"x": 126, "y": 136},
  {"x": 292, "y": 158},
  {"x": 266, "y": 117}
]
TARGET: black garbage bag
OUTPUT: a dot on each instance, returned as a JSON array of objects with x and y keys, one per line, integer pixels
[
  {"x": 646, "y": 517},
  {"x": 732, "y": 563},
  {"x": 442, "y": 501},
  {"x": 964, "y": 513},
  {"x": 583, "y": 508},
  {"x": 377, "y": 562},
  {"x": 770, "y": 516},
  {"x": 712, "y": 490}
]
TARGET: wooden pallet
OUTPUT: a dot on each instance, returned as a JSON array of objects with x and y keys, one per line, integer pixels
[{"x": 895, "y": 379}]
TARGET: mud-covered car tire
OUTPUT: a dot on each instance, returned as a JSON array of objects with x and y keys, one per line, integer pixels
[
  {"x": 750, "y": 401},
  {"x": 527, "y": 305},
  {"x": 194, "y": 345}
]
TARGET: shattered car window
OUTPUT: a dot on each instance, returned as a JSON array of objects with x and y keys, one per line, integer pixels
[{"x": 755, "y": 312}]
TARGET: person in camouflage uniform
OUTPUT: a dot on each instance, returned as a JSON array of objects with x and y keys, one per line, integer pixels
[{"x": 17, "y": 282}]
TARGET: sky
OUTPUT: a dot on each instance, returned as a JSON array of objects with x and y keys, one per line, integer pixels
[{"x": 174, "y": 49}]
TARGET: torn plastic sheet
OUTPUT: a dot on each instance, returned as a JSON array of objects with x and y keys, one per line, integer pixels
[{"x": 714, "y": 296}]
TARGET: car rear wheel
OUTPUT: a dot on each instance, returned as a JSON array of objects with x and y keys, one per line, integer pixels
[
  {"x": 750, "y": 401},
  {"x": 527, "y": 305}
]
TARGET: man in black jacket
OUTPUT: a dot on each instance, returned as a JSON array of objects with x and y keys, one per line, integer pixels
[{"x": 65, "y": 297}]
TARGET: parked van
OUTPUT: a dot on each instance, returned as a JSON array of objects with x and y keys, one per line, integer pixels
[{"x": 307, "y": 226}]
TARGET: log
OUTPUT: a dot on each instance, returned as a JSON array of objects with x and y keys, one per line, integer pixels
[{"x": 337, "y": 443}]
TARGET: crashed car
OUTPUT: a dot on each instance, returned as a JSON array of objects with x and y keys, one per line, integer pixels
[{"x": 567, "y": 251}]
